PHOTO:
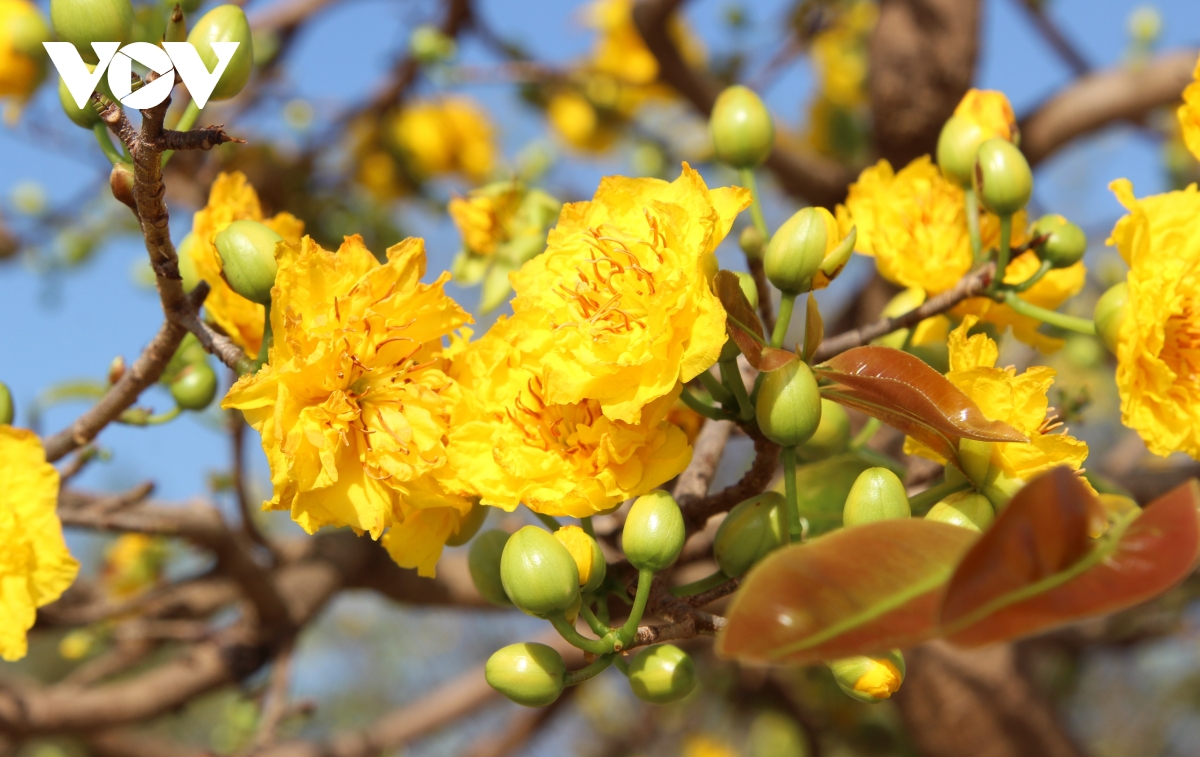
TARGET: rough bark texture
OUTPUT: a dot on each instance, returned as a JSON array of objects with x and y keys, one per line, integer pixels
[{"x": 922, "y": 62}]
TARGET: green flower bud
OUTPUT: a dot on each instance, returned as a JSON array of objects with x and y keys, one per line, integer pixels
[
  {"x": 589, "y": 559},
  {"x": 247, "y": 250},
  {"x": 195, "y": 386},
  {"x": 528, "y": 673},
  {"x": 1065, "y": 242},
  {"x": 82, "y": 22},
  {"x": 773, "y": 734},
  {"x": 7, "y": 410},
  {"x": 742, "y": 131},
  {"x": 796, "y": 251},
  {"x": 1003, "y": 180},
  {"x": 752, "y": 242},
  {"x": 27, "y": 31},
  {"x": 877, "y": 494},
  {"x": 832, "y": 435},
  {"x": 483, "y": 561},
  {"x": 869, "y": 679},
  {"x": 751, "y": 530},
  {"x": 429, "y": 45},
  {"x": 662, "y": 674},
  {"x": 225, "y": 23},
  {"x": 654, "y": 532},
  {"x": 1110, "y": 314},
  {"x": 957, "y": 147},
  {"x": 989, "y": 479},
  {"x": 538, "y": 573},
  {"x": 187, "y": 266},
  {"x": 789, "y": 407},
  {"x": 122, "y": 182},
  {"x": 189, "y": 352},
  {"x": 469, "y": 525},
  {"x": 965, "y": 509},
  {"x": 85, "y": 117}
]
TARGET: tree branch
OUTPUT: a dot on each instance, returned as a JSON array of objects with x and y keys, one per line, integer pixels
[{"x": 196, "y": 139}]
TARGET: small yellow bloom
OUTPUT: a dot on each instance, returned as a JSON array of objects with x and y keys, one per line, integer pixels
[
  {"x": 582, "y": 548},
  {"x": 1158, "y": 352},
  {"x": 452, "y": 134},
  {"x": 35, "y": 566},
  {"x": 1018, "y": 400},
  {"x": 132, "y": 564},
  {"x": 576, "y": 120},
  {"x": 77, "y": 644},
  {"x": 707, "y": 746},
  {"x": 620, "y": 51},
  {"x": 233, "y": 199},
  {"x": 624, "y": 283},
  {"x": 354, "y": 403},
  {"x": 483, "y": 218},
  {"x": 22, "y": 62},
  {"x": 1189, "y": 113},
  {"x": 991, "y": 112},
  {"x": 508, "y": 443},
  {"x": 880, "y": 680},
  {"x": 839, "y": 55}
]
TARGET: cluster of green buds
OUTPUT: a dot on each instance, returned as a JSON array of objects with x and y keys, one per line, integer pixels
[
  {"x": 189, "y": 376},
  {"x": 561, "y": 575}
]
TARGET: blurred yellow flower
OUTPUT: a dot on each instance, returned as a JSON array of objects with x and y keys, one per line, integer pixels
[
  {"x": 1018, "y": 400},
  {"x": 620, "y": 51},
  {"x": 232, "y": 199},
  {"x": 483, "y": 217},
  {"x": 132, "y": 564},
  {"x": 35, "y": 566},
  {"x": 839, "y": 55},
  {"x": 22, "y": 59},
  {"x": 991, "y": 111},
  {"x": 576, "y": 120},
  {"x": 354, "y": 404},
  {"x": 1189, "y": 113},
  {"x": 451, "y": 134},
  {"x": 707, "y": 746},
  {"x": 624, "y": 282},
  {"x": 509, "y": 443},
  {"x": 1158, "y": 353}
]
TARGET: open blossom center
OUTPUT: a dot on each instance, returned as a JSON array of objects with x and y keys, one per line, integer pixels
[
  {"x": 612, "y": 286},
  {"x": 551, "y": 427}
]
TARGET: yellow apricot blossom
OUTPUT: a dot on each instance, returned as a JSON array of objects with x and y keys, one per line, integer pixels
[
  {"x": 1189, "y": 114},
  {"x": 354, "y": 403},
  {"x": 620, "y": 51},
  {"x": 508, "y": 443},
  {"x": 1158, "y": 350},
  {"x": 22, "y": 60},
  {"x": 880, "y": 680},
  {"x": 35, "y": 565},
  {"x": 232, "y": 199},
  {"x": 448, "y": 135},
  {"x": 991, "y": 111},
  {"x": 132, "y": 564},
  {"x": 625, "y": 284},
  {"x": 482, "y": 217},
  {"x": 839, "y": 55},
  {"x": 1018, "y": 400},
  {"x": 576, "y": 120}
]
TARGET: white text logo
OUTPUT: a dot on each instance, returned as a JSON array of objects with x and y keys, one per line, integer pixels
[{"x": 172, "y": 56}]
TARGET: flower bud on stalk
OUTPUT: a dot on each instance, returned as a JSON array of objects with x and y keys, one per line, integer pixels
[
  {"x": 247, "y": 250},
  {"x": 1110, "y": 314},
  {"x": 965, "y": 509},
  {"x": 483, "y": 561},
  {"x": 877, "y": 494},
  {"x": 654, "y": 532},
  {"x": 742, "y": 131},
  {"x": 789, "y": 405},
  {"x": 988, "y": 477},
  {"x": 807, "y": 251},
  {"x": 869, "y": 679},
  {"x": 122, "y": 182},
  {"x": 662, "y": 674},
  {"x": 539, "y": 574},
  {"x": 468, "y": 526},
  {"x": 429, "y": 45},
  {"x": 187, "y": 266},
  {"x": 195, "y": 386},
  {"x": 85, "y": 117},
  {"x": 528, "y": 673},
  {"x": 82, "y": 22},
  {"x": 589, "y": 560},
  {"x": 1002, "y": 179},
  {"x": 1065, "y": 242},
  {"x": 116, "y": 370},
  {"x": 832, "y": 435},
  {"x": 752, "y": 243},
  {"x": 7, "y": 411},
  {"x": 751, "y": 531},
  {"x": 957, "y": 147},
  {"x": 225, "y": 23}
]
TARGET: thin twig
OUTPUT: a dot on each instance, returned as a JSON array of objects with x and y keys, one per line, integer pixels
[{"x": 275, "y": 702}]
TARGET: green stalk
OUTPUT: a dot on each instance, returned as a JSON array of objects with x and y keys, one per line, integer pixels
[
  {"x": 715, "y": 388},
  {"x": 973, "y": 225},
  {"x": 629, "y": 630},
  {"x": 756, "y": 214},
  {"x": 620, "y": 664},
  {"x": 865, "y": 433},
  {"x": 919, "y": 504},
  {"x": 789, "y": 487},
  {"x": 548, "y": 521},
  {"x": 598, "y": 628},
  {"x": 598, "y": 666},
  {"x": 786, "y": 304},
  {"x": 704, "y": 584},
  {"x": 732, "y": 377},
  {"x": 586, "y": 524},
  {"x": 1042, "y": 270},
  {"x": 106, "y": 145},
  {"x": 1052, "y": 317},
  {"x": 186, "y": 122},
  {"x": 264, "y": 350},
  {"x": 705, "y": 409},
  {"x": 576, "y": 639}
]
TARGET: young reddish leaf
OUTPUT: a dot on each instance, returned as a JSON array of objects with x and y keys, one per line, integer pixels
[
  {"x": 897, "y": 419},
  {"x": 900, "y": 381},
  {"x": 814, "y": 327},
  {"x": 859, "y": 590},
  {"x": 1036, "y": 568},
  {"x": 743, "y": 325}
]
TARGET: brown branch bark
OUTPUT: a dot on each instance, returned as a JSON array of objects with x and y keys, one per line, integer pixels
[
  {"x": 1054, "y": 37},
  {"x": 205, "y": 138},
  {"x": 1103, "y": 98},
  {"x": 754, "y": 482},
  {"x": 969, "y": 286}
]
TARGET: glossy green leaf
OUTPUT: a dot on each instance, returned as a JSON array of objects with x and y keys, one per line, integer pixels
[
  {"x": 1037, "y": 568},
  {"x": 859, "y": 590}
]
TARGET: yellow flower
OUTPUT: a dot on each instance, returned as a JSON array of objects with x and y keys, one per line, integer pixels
[
  {"x": 687, "y": 419},
  {"x": 354, "y": 403},
  {"x": 444, "y": 136},
  {"x": 707, "y": 746},
  {"x": 1158, "y": 353},
  {"x": 624, "y": 282},
  {"x": 991, "y": 112},
  {"x": 482, "y": 218},
  {"x": 132, "y": 564},
  {"x": 1189, "y": 113},
  {"x": 880, "y": 680},
  {"x": 1018, "y": 400},
  {"x": 35, "y": 566},
  {"x": 620, "y": 51},
  {"x": 508, "y": 443},
  {"x": 232, "y": 199},
  {"x": 22, "y": 64},
  {"x": 576, "y": 120},
  {"x": 839, "y": 55}
]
